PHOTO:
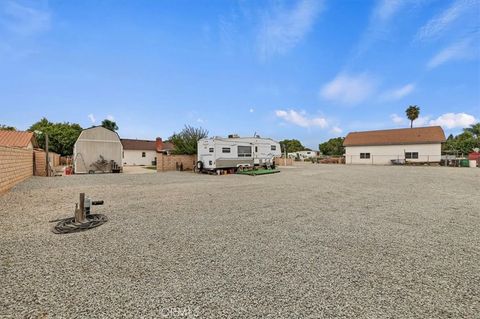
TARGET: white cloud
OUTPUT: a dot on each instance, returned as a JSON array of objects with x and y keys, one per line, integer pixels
[
  {"x": 200, "y": 120},
  {"x": 399, "y": 93},
  {"x": 24, "y": 20},
  {"x": 438, "y": 24},
  {"x": 397, "y": 119},
  {"x": 251, "y": 110},
  {"x": 92, "y": 118},
  {"x": 454, "y": 120},
  {"x": 110, "y": 117},
  {"x": 386, "y": 9},
  {"x": 349, "y": 89},
  {"x": 457, "y": 51},
  {"x": 336, "y": 130},
  {"x": 284, "y": 28},
  {"x": 301, "y": 119}
]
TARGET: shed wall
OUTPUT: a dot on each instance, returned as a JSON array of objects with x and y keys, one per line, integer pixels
[
  {"x": 383, "y": 154},
  {"x": 95, "y": 142}
]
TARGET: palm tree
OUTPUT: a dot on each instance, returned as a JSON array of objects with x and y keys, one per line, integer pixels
[
  {"x": 110, "y": 125},
  {"x": 474, "y": 129},
  {"x": 412, "y": 112}
]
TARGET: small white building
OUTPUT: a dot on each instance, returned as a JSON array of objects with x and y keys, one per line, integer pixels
[
  {"x": 97, "y": 149},
  {"x": 139, "y": 152},
  {"x": 421, "y": 144}
]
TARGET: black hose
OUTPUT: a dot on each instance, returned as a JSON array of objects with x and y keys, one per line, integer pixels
[{"x": 68, "y": 225}]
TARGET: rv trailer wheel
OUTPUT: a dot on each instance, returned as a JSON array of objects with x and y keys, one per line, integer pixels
[{"x": 199, "y": 166}]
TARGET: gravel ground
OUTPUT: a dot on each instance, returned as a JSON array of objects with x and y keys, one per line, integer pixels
[{"x": 317, "y": 241}]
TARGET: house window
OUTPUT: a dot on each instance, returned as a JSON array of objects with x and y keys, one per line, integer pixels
[
  {"x": 225, "y": 149},
  {"x": 143, "y": 154},
  {"x": 365, "y": 155},
  {"x": 273, "y": 147},
  {"x": 210, "y": 149},
  {"x": 256, "y": 149},
  {"x": 244, "y": 151},
  {"x": 411, "y": 155}
]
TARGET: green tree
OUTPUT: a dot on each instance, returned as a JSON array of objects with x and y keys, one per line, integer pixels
[
  {"x": 110, "y": 125},
  {"x": 463, "y": 143},
  {"x": 291, "y": 146},
  {"x": 412, "y": 112},
  {"x": 186, "y": 141},
  {"x": 61, "y": 136},
  {"x": 7, "y": 128},
  {"x": 474, "y": 129},
  {"x": 333, "y": 147}
]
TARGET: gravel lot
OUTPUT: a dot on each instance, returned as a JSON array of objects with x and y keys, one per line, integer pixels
[{"x": 315, "y": 241}]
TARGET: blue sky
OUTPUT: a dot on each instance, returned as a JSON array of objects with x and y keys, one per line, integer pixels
[{"x": 302, "y": 69}]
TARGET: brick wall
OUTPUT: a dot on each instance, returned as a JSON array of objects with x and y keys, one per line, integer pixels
[
  {"x": 40, "y": 163},
  {"x": 16, "y": 164},
  {"x": 169, "y": 162},
  {"x": 280, "y": 161}
]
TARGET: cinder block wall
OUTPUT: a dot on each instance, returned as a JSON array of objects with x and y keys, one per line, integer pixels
[
  {"x": 16, "y": 165},
  {"x": 167, "y": 163}
]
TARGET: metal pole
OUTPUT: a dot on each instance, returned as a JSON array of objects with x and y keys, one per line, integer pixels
[{"x": 80, "y": 212}]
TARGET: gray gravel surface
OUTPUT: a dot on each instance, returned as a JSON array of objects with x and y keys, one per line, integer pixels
[{"x": 316, "y": 241}]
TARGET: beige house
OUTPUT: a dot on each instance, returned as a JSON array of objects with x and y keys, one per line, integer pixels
[
  {"x": 139, "y": 152},
  {"x": 383, "y": 147}
]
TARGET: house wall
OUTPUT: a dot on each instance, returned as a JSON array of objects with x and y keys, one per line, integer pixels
[
  {"x": 383, "y": 154},
  {"x": 134, "y": 157},
  {"x": 91, "y": 144},
  {"x": 16, "y": 165},
  {"x": 169, "y": 162}
]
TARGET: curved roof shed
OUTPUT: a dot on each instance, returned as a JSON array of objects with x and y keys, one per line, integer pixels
[{"x": 92, "y": 145}]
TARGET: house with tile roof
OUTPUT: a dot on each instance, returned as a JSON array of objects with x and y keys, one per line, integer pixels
[
  {"x": 144, "y": 152},
  {"x": 18, "y": 139},
  {"x": 420, "y": 144}
]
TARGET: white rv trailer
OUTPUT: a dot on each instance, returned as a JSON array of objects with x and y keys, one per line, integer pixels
[{"x": 236, "y": 152}]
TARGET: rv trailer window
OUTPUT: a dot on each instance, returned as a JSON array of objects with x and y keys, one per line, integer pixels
[
  {"x": 273, "y": 147},
  {"x": 364, "y": 155},
  {"x": 225, "y": 149},
  {"x": 244, "y": 151},
  {"x": 210, "y": 149}
]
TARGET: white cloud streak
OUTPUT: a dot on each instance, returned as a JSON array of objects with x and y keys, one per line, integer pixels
[
  {"x": 436, "y": 26},
  {"x": 91, "y": 117},
  {"x": 457, "y": 51},
  {"x": 399, "y": 93},
  {"x": 386, "y": 9},
  {"x": 301, "y": 119},
  {"x": 24, "y": 20},
  {"x": 282, "y": 28},
  {"x": 349, "y": 89},
  {"x": 110, "y": 117}
]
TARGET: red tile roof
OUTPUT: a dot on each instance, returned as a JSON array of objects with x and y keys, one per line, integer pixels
[
  {"x": 17, "y": 138},
  {"x": 417, "y": 135}
]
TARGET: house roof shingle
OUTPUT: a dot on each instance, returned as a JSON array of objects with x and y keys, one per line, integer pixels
[
  {"x": 138, "y": 145},
  {"x": 418, "y": 135},
  {"x": 17, "y": 138}
]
